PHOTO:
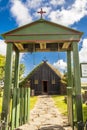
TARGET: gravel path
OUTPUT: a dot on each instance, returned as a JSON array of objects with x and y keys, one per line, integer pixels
[{"x": 45, "y": 116}]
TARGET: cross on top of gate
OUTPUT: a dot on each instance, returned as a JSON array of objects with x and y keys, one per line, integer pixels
[{"x": 41, "y": 12}]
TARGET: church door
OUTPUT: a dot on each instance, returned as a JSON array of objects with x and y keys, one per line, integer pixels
[{"x": 44, "y": 87}]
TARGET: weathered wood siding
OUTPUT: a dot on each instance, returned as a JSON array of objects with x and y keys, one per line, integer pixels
[{"x": 45, "y": 73}]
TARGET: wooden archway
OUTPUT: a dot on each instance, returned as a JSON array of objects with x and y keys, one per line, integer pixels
[{"x": 41, "y": 35}]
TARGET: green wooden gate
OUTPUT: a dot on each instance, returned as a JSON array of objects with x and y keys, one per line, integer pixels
[{"x": 40, "y": 35}]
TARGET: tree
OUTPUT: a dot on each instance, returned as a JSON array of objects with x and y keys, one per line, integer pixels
[
  {"x": 21, "y": 71},
  {"x": 2, "y": 67}
]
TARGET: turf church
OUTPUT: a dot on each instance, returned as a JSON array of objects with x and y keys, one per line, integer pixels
[{"x": 45, "y": 79}]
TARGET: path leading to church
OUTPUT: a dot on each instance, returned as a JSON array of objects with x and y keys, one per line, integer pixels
[{"x": 45, "y": 116}]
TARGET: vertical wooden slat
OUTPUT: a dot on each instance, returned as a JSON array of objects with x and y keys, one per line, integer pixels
[
  {"x": 25, "y": 104},
  {"x": 7, "y": 85},
  {"x": 21, "y": 105},
  {"x": 13, "y": 118},
  {"x": 15, "y": 107},
  {"x": 28, "y": 103},
  {"x": 77, "y": 83},
  {"x": 69, "y": 88}
]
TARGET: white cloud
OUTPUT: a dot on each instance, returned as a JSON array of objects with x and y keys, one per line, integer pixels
[
  {"x": 20, "y": 12},
  {"x": 2, "y": 47},
  {"x": 71, "y": 14},
  {"x": 60, "y": 65},
  {"x": 83, "y": 52},
  {"x": 25, "y": 12},
  {"x": 57, "y": 2},
  {"x": 34, "y": 3}
]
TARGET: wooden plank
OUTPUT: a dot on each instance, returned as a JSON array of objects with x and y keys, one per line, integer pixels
[
  {"x": 66, "y": 45},
  {"x": 16, "y": 85},
  {"x": 7, "y": 85},
  {"x": 13, "y": 115},
  {"x": 77, "y": 83},
  {"x": 28, "y": 103},
  {"x": 69, "y": 88},
  {"x": 43, "y": 38},
  {"x": 21, "y": 104},
  {"x": 19, "y": 46},
  {"x": 17, "y": 107},
  {"x": 25, "y": 105}
]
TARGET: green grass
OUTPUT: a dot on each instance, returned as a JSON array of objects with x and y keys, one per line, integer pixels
[
  {"x": 84, "y": 112},
  {"x": 0, "y": 104},
  {"x": 33, "y": 101},
  {"x": 60, "y": 104}
]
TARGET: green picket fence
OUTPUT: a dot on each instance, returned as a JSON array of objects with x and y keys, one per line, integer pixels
[{"x": 19, "y": 108}]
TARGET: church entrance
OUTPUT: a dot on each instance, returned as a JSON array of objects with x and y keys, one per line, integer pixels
[{"x": 44, "y": 87}]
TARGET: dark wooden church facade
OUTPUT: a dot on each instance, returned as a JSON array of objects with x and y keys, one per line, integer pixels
[{"x": 45, "y": 79}]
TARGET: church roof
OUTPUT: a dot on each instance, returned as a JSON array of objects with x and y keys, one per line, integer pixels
[
  {"x": 42, "y": 35},
  {"x": 56, "y": 71},
  {"x": 21, "y": 28}
]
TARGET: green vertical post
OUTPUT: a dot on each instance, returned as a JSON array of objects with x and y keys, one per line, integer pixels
[
  {"x": 17, "y": 107},
  {"x": 28, "y": 103},
  {"x": 25, "y": 105},
  {"x": 21, "y": 105},
  {"x": 16, "y": 92},
  {"x": 7, "y": 85},
  {"x": 77, "y": 83},
  {"x": 69, "y": 88},
  {"x": 16, "y": 85},
  {"x": 13, "y": 117}
]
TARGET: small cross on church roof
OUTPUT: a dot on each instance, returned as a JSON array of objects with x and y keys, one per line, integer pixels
[
  {"x": 45, "y": 60},
  {"x": 41, "y": 12}
]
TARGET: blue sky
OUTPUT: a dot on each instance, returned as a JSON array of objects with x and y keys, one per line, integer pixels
[{"x": 70, "y": 13}]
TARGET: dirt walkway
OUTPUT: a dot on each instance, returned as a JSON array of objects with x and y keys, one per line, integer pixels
[{"x": 45, "y": 116}]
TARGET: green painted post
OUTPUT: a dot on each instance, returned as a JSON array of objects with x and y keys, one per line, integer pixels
[
  {"x": 20, "y": 106},
  {"x": 25, "y": 104},
  {"x": 28, "y": 103},
  {"x": 14, "y": 101},
  {"x": 69, "y": 88},
  {"x": 16, "y": 94},
  {"x": 17, "y": 107},
  {"x": 77, "y": 83},
  {"x": 13, "y": 117},
  {"x": 7, "y": 85}
]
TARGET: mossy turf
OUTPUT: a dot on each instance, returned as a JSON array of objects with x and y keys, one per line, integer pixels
[{"x": 60, "y": 103}]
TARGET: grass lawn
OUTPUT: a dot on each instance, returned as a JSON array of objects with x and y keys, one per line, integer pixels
[
  {"x": 33, "y": 101},
  {"x": 84, "y": 112},
  {"x": 0, "y": 104},
  {"x": 60, "y": 103},
  {"x": 62, "y": 106}
]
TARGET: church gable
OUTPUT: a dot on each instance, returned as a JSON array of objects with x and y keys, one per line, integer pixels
[
  {"x": 42, "y": 27},
  {"x": 46, "y": 70}
]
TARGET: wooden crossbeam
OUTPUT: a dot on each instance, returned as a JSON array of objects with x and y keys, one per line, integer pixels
[
  {"x": 19, "y": 46},
  {"x": 43, "y": 45},
  {"x": 66, "y": 45}
]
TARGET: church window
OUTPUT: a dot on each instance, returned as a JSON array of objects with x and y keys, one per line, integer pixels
[
  {"x": 53, "y": 81},
  {"x": 36, "y": 82}
]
